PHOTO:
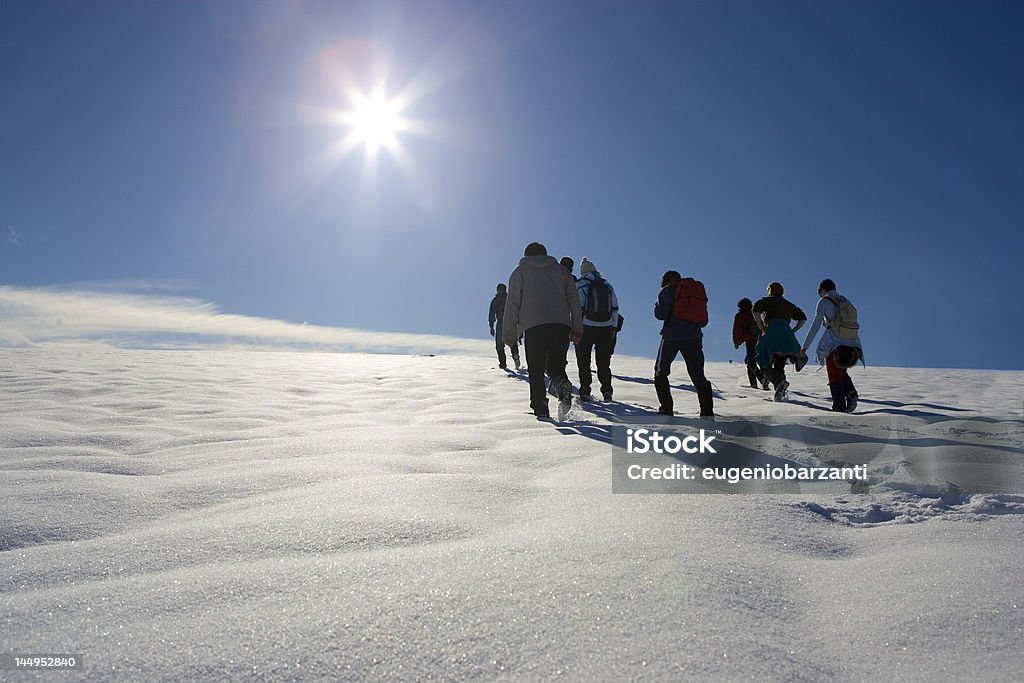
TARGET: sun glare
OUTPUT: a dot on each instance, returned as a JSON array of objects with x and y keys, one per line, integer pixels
[{"x": 375, "y": 121}]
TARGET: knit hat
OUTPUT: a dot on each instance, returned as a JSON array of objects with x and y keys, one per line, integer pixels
[{"x": 586, "y": 266}]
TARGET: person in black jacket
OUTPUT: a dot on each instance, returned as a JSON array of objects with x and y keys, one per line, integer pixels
[
  {"x": 494, "y": 318},
  {"x": 778, "y": 344},
  {"x": 679, "y": 337},
  {"x": 745, "y": 331},
  {"x": 569, "y": 264}
]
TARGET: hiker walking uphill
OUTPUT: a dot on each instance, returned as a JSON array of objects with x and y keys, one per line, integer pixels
[
  {"x": 840, "y": 347},
  {"x": 600, "y": 308},
  {"x": 745, "y": 331},
  {"x": 778, "y": 344},
  {"x": 543, "y": 302},
  {"x": 683, "y": 306},
  {"x": 568, "y": 263},
  {"x": 494, "y": 319}
]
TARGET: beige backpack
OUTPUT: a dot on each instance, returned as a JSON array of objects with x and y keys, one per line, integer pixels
[{"x": 844, "y": 326}]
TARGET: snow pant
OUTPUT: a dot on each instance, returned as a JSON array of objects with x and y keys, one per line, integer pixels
[
  {"x": 600, "y": 340},
  {"x": 692, "y": 351},
  {"x": 546, "y": 349},
  {"x": 776, "y": 372},
  {"x": 839, "y": 384},
  {"x": 499, "y": 345},
  {"x": 754, "y": 373}
]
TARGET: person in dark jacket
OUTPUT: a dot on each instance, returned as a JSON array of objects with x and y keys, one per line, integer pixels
[
  {"x": 778, "y": 343},
  {"x": 679, "y": 337},
  {"x": 568, "y": 264},
  {"x": 745, "y": 331},
  {"x": 494, "y": 319}
]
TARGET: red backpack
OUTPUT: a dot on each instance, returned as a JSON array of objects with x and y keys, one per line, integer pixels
[{"x": 691, "y": 301}]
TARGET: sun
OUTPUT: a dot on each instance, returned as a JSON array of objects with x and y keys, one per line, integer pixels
[{"x": 375, "y": 121}]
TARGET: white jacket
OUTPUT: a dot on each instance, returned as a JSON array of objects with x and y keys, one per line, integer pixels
[{"x": 540, "y": 291}]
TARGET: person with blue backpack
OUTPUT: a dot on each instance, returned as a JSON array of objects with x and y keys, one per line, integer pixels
[
  {"x": 840, "y": 346},
  {"x": 600, "y": 323},
  {"x": 683, "y": 307}
]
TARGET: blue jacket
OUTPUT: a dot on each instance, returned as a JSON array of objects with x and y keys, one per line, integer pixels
[{"x": 674, "y": 329}]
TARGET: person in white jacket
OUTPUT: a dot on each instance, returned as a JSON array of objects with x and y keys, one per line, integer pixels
[
  {"x": 837, "y": 355},
  {"x": 600, "y": 308},
  {"x": 543, "y": 305}
]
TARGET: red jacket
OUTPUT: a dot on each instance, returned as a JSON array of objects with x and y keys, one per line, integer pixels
[{"x": 744, "y": 328}]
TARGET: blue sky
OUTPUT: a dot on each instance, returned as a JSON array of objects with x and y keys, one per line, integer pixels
[{"x": 878, "y": 144}]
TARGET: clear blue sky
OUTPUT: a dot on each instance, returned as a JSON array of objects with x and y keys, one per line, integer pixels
[{"x": 876, "y": 143}]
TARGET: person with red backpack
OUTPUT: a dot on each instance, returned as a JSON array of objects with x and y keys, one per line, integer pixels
[
  {"x": 840, "y": 347},
  {"x": 745, "y": 331},
  {"x": 683, "y": 307}
]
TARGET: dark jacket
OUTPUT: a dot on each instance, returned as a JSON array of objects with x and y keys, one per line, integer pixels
[
  {"x": 674, "y": 329},
  {"x": 778, "y": 308},
  {"x": 497, "y": 311}
]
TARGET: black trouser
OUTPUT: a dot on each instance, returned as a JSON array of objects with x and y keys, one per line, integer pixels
[
  {"x": 546, "y": 348},
  {"x": 776, "y": 374},
  {"x": 693, "y": 355},
  {"x": 500, "y": 345},
  {"x": 600, "y": 340},
  {"x": 754, "y": 373}
]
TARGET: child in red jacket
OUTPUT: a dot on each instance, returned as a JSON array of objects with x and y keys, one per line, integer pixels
[{"x": 746, "y": 331}]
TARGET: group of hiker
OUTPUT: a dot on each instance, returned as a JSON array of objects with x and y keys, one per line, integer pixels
[
  {"x": 764, "y": 328},
  {"x": 549, "y": 307},
  {"x": 546, "y": 307}
]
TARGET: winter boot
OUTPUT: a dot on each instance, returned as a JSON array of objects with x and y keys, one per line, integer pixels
[
  {"x": 838, "y": 396},
  {"x": 565, "y": 391},
  {"x": 664, "y": 395},
  {"x": 585, "y": 394},
  {"x": 606, "y": 393},
  {"x": 851, "y": 393},
  {"x": 782, "y": 391},
  {"x": 706, "y": 399},
  {"x": 541, "y": 410}
]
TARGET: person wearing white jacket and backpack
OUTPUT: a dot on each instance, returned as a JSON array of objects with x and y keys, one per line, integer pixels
[
  {"x": 600, "y": 324},
  {"x": 840, "y": 346}
]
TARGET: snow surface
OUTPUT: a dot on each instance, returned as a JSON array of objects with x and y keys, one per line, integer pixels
[{"x": 214, "y": 515}]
